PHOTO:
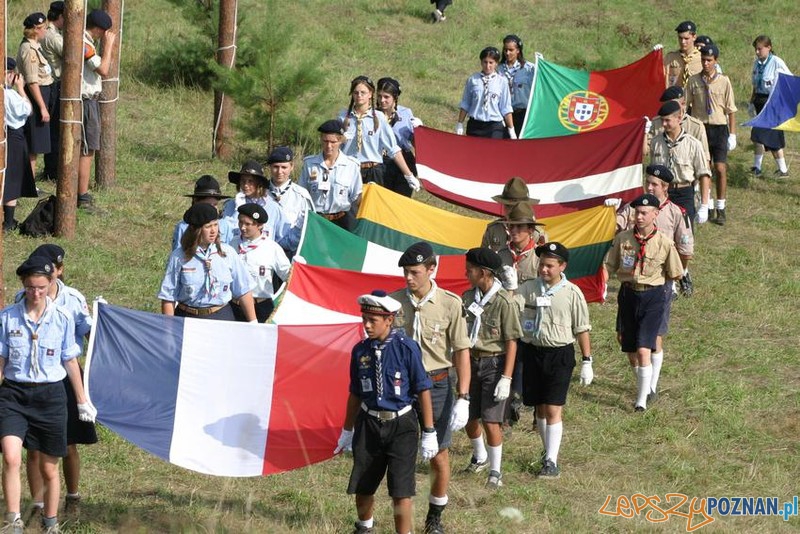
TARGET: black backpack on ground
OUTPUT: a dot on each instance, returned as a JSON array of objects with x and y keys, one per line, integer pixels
[{"x": 42, "y": 220}]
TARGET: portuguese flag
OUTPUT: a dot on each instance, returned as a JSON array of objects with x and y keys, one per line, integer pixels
[{"x": 566, "y": 101}]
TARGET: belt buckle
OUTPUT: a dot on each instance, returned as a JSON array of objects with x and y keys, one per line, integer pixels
[{"x": 385, "y": 415}]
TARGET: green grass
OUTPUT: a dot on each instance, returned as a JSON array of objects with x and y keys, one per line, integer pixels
[{"x": 727, "y": 421}]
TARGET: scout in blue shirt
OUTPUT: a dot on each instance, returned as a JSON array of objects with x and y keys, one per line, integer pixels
[
  {"x": 252, "y": 188},
  {"x": 380, "y": 425},
  {"x": 487, "y": 101},
  {"x": 37, "y": 350},
  {"x": 519, "y": 74},
  {"x": 206, "y": 191},
  {"x": 403, "y": 122},
  {"x": 203, "y": 275}
]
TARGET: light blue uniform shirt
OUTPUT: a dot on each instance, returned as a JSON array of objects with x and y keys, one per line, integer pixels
[
  {"x": 293, "y": 201},
  {"x": 520, "y": 81},
  {"x": 497, "y": 103},
  {"x": 276, "y": 226},
  {"x": 374, "y": 142},
  {"x": 335, "y": 189},
  {"x": 226, "y": 234},
  {"x": 55, "y": 344},
  {"x": 765, "y": 73},
  {"x": 403, "y": 128},
  {"x": 17, "y": 109},
  {"x": 185, "y": 281},
  {"x": 70, "y": 299}
]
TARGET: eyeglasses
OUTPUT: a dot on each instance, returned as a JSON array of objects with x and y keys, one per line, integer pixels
[{"x": 34, "y": 289}]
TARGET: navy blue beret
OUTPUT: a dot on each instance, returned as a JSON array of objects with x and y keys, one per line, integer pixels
[
  {"x": 554, "y": 248},
  {"x": 280, "y": 154},
  {"x": 484, "y": 257},
  {"x": 333, "y": 126},
  {"x": 200, "y": 214},
  {"x": 51, "y": 251},
  {"x": 35, "y": 265},
  {"x": 254, "y": 211},
  {"x": 660, "y": 171},
  {"x": 416, "y": 254},
  {"x": 645, "y": 200}
]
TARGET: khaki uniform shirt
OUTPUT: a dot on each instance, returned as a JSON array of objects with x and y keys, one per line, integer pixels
[
  {"x": 566, "y": 317},
  {"x": 661, "y": 260},
  {"x": 722, "y": 102},
  {"x": 92, "y": 82},
  {"x": 684, "y": 157},
  {"x": 444, "y": 329},
  {"x": 499, "y": 321},
  {"x": 496, "y": 236},
  {"x": 527, "y": 267},
  {"x": 679, "y": 68},
  {"x": 690, "y": 125},
  {"x": 670, "y": 220},
  {"x": 53, "y": 49},
  {"x": 32, "y": 64}
]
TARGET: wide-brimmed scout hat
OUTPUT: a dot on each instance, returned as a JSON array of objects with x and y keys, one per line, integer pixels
[{"x": 515, "y": 190}]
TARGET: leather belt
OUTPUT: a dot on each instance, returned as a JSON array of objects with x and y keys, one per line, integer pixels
[
  {"x": 385, "y": 415},
  {"x": 199, "y": 312},
  {"x": 370, "y": 164},
  {"x": 439, "y": 374},
  {"x": 334, "y": 216},
  {"x": 485, "y": 354},
  {"x": 256, "y": 300},
  {"x": 638, "y": 287},
  {"x": 680, "y": 185}
]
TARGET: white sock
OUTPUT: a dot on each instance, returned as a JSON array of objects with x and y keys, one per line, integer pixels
[
  {"x": 782, "y": 164},
  {"x": 38, "y": 504},
  {"x": 495, "y": 457},
  {"x": 541, "y": 425},
  {"x": 757, "y": 160},
  {"x": 478, "y": 449},
  {"x": 720, "y": 203},
  {"x": 554, "y": 433},
  {"x": 367, "y": 522},
  {"x": 643, "y": 385},
  {"x": 656, "y": 358},
  {"x": 710, "y": 204},
  {"x": 438, "y": 501}
]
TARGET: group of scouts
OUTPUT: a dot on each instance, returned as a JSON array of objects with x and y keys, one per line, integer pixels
[{"x": 33, "y": 100}]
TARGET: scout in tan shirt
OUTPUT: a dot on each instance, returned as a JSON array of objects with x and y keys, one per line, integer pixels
[
  {"x": 690, "y": 125},
  {"x": 493, "y": 323},
  {"x": 522, "y": 228},
  {"x": 643, "y": 259},
  {"x": 684, "y": 62},
  {"x": 554, "y": 317},
  {"x": 514, "y": 192}
]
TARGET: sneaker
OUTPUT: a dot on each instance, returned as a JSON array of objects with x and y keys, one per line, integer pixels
[
  {"x": 72, "y": 504},
  {"x": 494, "y": 481},
  {"x": 640, "y": 409},
  {"x": 13, "y": 527},
  {"x": 756, "y": 171},
  {"x": 361, "y": 529},
  {"x": 437, "y": 16},
  {"x": 475, "y": 466},
  {"x": 720, "y": 218},
  {"x": 85, "y": 200},
  {"x": 433, "y": 524},
  {"x": 550, "y": 471},
  {"x": 652, "y": 397},
  {"x": 55, "y": 529},
  {"x": 780, "y": 174}
]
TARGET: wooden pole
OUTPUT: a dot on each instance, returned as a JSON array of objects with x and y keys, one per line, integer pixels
[
  {"x": 3, "y": 145},
  {"x": 226, "y": 56},
  {"x": 71, "y": 119},
  {"x": 106, "y": 159}
]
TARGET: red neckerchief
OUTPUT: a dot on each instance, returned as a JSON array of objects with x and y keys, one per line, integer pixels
[
  {"x": 522, "y": 253},
  {"x": 642, "y": 244},
  {"x": 244, "y": 249}
]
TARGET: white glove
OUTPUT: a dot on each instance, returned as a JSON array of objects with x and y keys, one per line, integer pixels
[
  {"x": 503, "y": 389},
  {"x": 299, "y": 259},
  {"x": 587, "y": 374},
  {"x": 413, "y": 182},
  {"x": 647, "y": 124},
  {"x": 460, "y": 128},
  {"x": 254, "y": 321},
  {"x": 86, "y": 412},
  {"x": 511, "y": 133},
  {"x": 100, "y": 299},
  {"x": 612, "y": 202},
  {"x": 508, "y": 277},
  {"x": 345, "y": 442},
  {"x": 751, "y": 110},
  {"x": 702, "y": 214},
  {"x": 429, "y": 445},
  {"x": 415, "y": 122},
  {"x": 460, "y": 415},
  {"x": 731, "y": 141},
  {"x": 658, "y": 47}
]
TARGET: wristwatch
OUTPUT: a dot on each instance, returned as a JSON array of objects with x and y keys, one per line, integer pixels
[
  {"x": 464, "y": 396},
  {"x": 428, "y": 429},
  {"x": 587, "y": 358}
]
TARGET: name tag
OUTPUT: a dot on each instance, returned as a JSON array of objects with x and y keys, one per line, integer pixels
[
  {"x": 324, "y": 184},
  {"x": 475, "y": 309},
  {"x": 543, "y": 302},
  {"x": 188, "y": 269},
  {"x": 366, "y": 385},
  {"x": 397, "y": 383}
]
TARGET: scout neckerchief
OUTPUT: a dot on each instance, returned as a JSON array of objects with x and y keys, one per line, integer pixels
[
  {"x": 517, "y": 256},
  {"x": 481, "y": 300},
  {"x": 545, "y": 292},
  {"x": 245, "y": 247},
  {"x": 210, "y": 283},
  {"x": 376, "y": 347},
  {"x": 672, "y": 145},
  {"x": 686, "y": 60},
  {"x": 758, "y": 71},
  {"x": 277, "y": 192},
  {"x": 707, "y": 82},
  {"x": 486, "y": 79},
  {"x": 418, "y": 304},
  {"x": 642, "y": 240},
  {"x": 509, "y": 73},
  {"x": 34, "y": 329},
  {"x": 360, "y": 129}
]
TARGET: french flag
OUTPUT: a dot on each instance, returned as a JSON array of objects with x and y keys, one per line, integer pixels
[{"x": 219, "y": 397}]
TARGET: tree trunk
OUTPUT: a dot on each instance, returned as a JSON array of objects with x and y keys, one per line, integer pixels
[
  {"x": 226, "y": 56},
  {"x": 106, "y": 159},
  {"x": 2, "y": 146}
]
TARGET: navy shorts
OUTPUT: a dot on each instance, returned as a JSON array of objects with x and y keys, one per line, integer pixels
[
  {"x": 639, "y": 316},
  {"x": 373, "y": 174},
  {"x": 717, "y": 142},
  {"x": 491, "y": 130},
  {"x": 443, "y": 400},
  {"x": 384, "y": 448},
  {"x": 37, "y": 132},
  {"x": 91, "y": 126},
  {"x": 546, "y": 373},
  {"x": 78, "y": 432},
  {"x": 37, "y": 414},
  {"x": 486, "y": 373}
]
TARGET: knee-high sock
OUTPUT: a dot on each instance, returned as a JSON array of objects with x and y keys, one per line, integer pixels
[
  {"x": 656, "y": 358},
  {"x": 643, "y": 385},
  {"x": 554, "y": 433}
]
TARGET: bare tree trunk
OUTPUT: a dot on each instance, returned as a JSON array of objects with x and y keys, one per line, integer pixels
[
  {"x": 3, "y": 146},
  {"x": 71, "y": 118},
  {"x": 106, "y": 159},
  {"x": 226, "y": 56}
]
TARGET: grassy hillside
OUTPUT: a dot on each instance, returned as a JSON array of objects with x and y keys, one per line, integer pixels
[{"x": 727, "y": 421}]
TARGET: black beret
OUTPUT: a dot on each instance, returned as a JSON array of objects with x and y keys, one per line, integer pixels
[
  {"x": 33, "y": 20},
  {"x": 645, "y": 200},
  {"x": 703, "y": 40},
  {"x": 554, "y": 248},
  {"x": 280, "y": 154},
  {"x": 207, "y": 186},
  {"x": 200, "y": 214},
  {"x": 254, "y": 211},
  {"x": 99, "y": 19},
  {"x": 710, "y": 50},
  {"x": 251, "y": 168},
  {"x": 35, "y": 265},
  {"x": 51, "y": 251},
  {"x": 661, "y": 172},
  {"x": 416, "y": 254},
  {"x": 484, "y": 257},
  {"x": 672, "y": 92},
  {"x": 57, "y": 7},
  {"x": 333, "y": 126},
  {"x": 668, "y": 108},
  {"x": 11, "y": 63},
  {"x": 686, "y": 26}
]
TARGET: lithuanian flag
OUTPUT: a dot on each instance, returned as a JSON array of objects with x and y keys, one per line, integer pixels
[
  {"x": 782, "y": 110},
  {"x": 567, "y": 101}
]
